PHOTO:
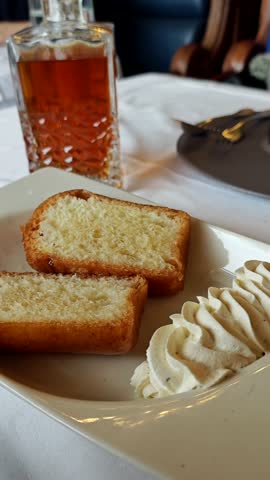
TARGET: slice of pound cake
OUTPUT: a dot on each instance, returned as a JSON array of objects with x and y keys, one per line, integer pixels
[
  {"x": 69, "y": 313},
  {"x": 81, "y": 232}
]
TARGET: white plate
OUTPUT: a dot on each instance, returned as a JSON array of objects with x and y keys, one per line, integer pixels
[{"x": 216, "y": 434}]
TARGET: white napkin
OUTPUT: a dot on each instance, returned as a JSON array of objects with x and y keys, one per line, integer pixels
[{"x": 13, "y": 161}]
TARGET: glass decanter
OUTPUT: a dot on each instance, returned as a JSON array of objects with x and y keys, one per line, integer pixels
[{"x": 64, "y": 77}]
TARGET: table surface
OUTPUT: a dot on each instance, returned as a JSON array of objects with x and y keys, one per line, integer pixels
[{"x": 34, "y": 446}]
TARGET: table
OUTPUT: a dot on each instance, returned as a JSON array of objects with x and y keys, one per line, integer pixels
[
  {"x": 9, "y": 28},
  {"x": 34, "y": 446}
]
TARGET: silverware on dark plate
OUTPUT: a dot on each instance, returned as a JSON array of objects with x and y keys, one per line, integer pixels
[
  {"x": 209, "y": 125},
  {"x": 237, "y": 132}
]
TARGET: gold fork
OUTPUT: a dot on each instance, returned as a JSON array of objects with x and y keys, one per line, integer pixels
[
  {"x": 241, "y": 113},
  {"x": 236, "y": 133},
  {"x": 205, "y": 126}
]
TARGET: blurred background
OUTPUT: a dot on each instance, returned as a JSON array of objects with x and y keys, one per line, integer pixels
[{"x": 214, "y": 39}]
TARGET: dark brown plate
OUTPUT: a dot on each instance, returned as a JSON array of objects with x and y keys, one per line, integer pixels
[{"x": 244, "y": 165}]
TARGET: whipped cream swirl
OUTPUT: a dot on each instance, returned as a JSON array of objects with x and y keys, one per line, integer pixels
[{"x": 211, "y": 339}]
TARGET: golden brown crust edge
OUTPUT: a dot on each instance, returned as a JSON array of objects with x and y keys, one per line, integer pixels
[
  {"x": 160, "y": 282},
  {"x": 102, "y": 337}
]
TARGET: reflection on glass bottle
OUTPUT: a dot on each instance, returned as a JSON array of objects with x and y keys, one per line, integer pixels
[
  {"x": 64, "y": 75},
  {"x": 36, "y": 12}
]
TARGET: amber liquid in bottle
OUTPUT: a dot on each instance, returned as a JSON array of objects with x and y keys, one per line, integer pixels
[{"x": 68, "y": 120}]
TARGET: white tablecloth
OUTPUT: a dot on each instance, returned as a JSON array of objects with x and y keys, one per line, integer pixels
[{"x": 32, "y": 445}]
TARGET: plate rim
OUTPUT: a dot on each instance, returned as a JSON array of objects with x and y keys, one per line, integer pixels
[{"x": 94, "y": 434}]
